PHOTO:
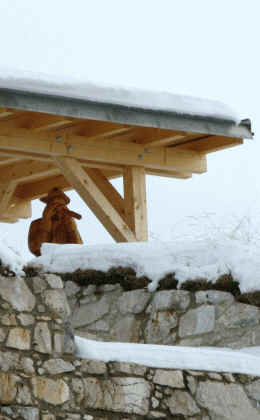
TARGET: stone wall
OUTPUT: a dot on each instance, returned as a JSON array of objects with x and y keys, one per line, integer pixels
[
  {"x": 42, "y": 379},
  {"x": 179, "y": 317}
]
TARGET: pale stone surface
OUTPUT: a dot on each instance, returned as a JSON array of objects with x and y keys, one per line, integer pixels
[
  {"x": 51, "y": 391},
  {"x": 9, "y": 320},
  {"x": 71, "y": 288},
  {"x": 3, "y": 334},
  {"x": 181, "y": 402},
  {"x": 129, "y": 368},
  {"x": 57, "y": 303},
  {"x": 23, "y": 395},
  {"x": 26, "y": 365},
  {"x": 54, "y": 281},
  {"x": 166, "y": 300},
  {"x": 239, "y": 315},
  {"x": 134, "y": 301},
  {"x": 157, "y": 415},
  {"x": 192, "y": 384},
  {"x": 159, "y": 327},
  {"x": 197, "y": 321},
  {"x": 213, "y": 296},
  {"x": 78, "y": 388},
  {"x": 39, "y": 284},
  {"x": 8, "y": 388},
  {"x": 93, "y": 367},
  {"x": 126, "y": 329},
  {"x": 8, "y": 360},
  {"x": 86, "y": 314},
  {"x": 56, "y": 366},
  {"x": 58, "y": 342},
  {"x": 253, "y": 390},
  {"x": 42, "y": 338},
  {"x": 225, "y": 401},
  {"x": 19, "y": 338},
  {"x": 125, "y": 395},
  {"x": 26, "y": 319},
  {"x": 16, "y": 292},
  {"x": 169, "y": 378}
]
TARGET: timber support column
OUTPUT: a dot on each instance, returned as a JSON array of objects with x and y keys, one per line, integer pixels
[{"x": 135, "y": 201}]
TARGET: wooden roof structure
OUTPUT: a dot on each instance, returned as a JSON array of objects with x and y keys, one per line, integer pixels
[{"x": 51, "y": 141}]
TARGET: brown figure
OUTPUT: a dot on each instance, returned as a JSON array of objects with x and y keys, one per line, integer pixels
[{"x": 57, "y": 224}]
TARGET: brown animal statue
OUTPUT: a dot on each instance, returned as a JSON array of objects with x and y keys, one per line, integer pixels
[{"x": 57, "y": 224}]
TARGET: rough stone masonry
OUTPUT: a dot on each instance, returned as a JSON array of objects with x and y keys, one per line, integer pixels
[{"x": 41, "y": 379}]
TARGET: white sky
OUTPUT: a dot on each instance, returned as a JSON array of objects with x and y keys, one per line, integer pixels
[{"x": 200, "y": 48}]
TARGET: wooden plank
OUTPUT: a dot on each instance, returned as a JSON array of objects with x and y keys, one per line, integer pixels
[
  {"x": 114, "y": 152},
  {"x": 6, "y": 195},
  {"x": 135, "y": 201},
  {"x": 168, "y": 174},
  {"x": 210, "y": 144},
  {"x": 37, "y": 189},
  {"x": 27, "y": 170},
  {"x": 95, "y": 199},
  {"x": 4, "y": 219},
  {"x": 19, "y": 209}
]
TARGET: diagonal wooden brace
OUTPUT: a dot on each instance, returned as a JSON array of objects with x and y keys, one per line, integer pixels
[{"x": 96, "y": 198}]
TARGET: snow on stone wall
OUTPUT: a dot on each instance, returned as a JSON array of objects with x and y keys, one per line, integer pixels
[{"x": 42, "y": 379}]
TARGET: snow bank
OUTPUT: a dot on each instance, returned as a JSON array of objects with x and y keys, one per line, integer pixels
[
  {"x": 188, "y": 260},
  {"x": 158, "y": 356},
  {"x": 126, "y": 96},
  {"x": 11, "y": 258}
]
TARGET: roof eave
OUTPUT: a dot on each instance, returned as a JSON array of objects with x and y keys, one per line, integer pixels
[{"x": 81, "y": 108}]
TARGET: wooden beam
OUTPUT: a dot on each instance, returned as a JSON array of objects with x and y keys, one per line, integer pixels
[
  {"x": 6, "y": 196},
  {"x": 210, "y": 144},
  {"x": 27, "y": 170},
  {"x": 95, "y": 199},
  {"x": 19, "y": 209},
  {"x": 37, "y": 189},
  {"x": 4, "y": 219},
  {"x": 135, "y": 201},
  {"x": 107, "y": 189},
  {"x": 114, "y": 152}
]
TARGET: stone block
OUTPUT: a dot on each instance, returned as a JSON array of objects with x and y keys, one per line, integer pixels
[
  {"x": 213, "y": 296},
  {"x": 126, "y": 329},
  {"x": 197, "y": 321},
  {"x": 171, "y": 378},
  {"x": 42, "y": 338},
  {"x": 8, "y": 388},
  {"x": 26, "y": 319},
  {"x": 87, "y": 314},
  {"x": 134, "y": 301},
  {"x": 225, "y": 401},
  {"x": 93, "y": 367},
  {"x": 16, "y": 292},
  {"x": 19, "y": 338},
  {"x": 51, "y": 391},
  {"x": 180, "y": 402},
  {"x": 128, "y": 368},
  {"x": 253, "y": 390},
  {"x": 57, "y": 366},
  {"x": 53, "y": 281},
  {"x": 239, "y": 315},
  {"x": 159, "y": 328},
  {"x": 167, "y": 300},
  {"x": 123, "y": 395},
  {"x": 56, "y": 302}
]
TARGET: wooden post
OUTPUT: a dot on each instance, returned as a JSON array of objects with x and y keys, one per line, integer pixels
[
  {"x": 135, "y": 201},
  {"x": 102, "y": 205}
]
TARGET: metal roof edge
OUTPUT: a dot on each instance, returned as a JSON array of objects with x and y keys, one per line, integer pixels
[{"x": 81, "y": 108}]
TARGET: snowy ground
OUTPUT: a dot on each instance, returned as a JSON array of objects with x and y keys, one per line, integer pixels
[{"x": 173, "y": 357}]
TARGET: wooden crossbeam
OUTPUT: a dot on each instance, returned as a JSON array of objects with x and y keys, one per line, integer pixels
[
  {"x": 95, "y": 199},
  {"x": 12, "y": 207},
  {"x": 114, "y": 152},
  {"x": 135, "y": 201},
  {"x": 19, "y": 208}
]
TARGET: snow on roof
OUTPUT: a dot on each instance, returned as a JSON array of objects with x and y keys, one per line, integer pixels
[
  {"x": 189, "y": 260},
  {"x": 173, "y": 357},
  {"x": 117, "y": 95}
]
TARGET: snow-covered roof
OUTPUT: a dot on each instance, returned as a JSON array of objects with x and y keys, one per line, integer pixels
[{"x": 47, "y": 94}]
